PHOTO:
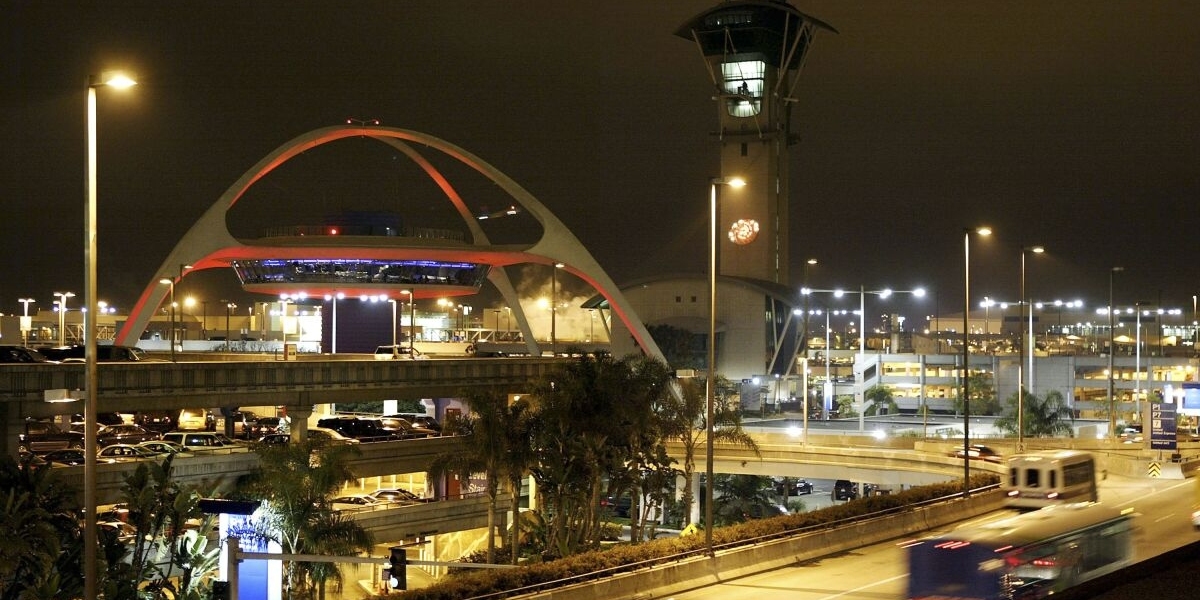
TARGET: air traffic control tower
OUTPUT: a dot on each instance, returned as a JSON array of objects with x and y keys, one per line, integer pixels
[{"x": 754, "y": 51}]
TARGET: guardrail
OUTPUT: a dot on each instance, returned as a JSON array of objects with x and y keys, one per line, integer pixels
[{"x": 680, "y": 572}]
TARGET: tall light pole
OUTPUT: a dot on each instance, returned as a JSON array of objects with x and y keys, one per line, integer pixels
[
  {"x": 171, "y": 335},
  {"x": 966, "y": 366},
  {"x": 188, "y": 302},
  {"x": 1112, "y": 405},
  {"x": 395, "y": 351},
  {"x": 62, "y": 315},
  {"x": 711, "y": 364},
  {"x": 25, "y": 325},
  {"x": 334, "y": 297},
  {"x": 861, "y": 360},
  {"x": 90, "y": 578},
  {"x": 412, "y": 322},
  {"x": 1021, "y": 355},
  {"x": 554, "y": 307},
  {"x": 229, "y": 307}
]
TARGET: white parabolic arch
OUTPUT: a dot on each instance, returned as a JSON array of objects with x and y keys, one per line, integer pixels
[{"x": 208, "y": 244}]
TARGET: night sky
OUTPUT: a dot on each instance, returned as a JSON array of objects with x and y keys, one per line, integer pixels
[{"x": 1070, "y": 124}]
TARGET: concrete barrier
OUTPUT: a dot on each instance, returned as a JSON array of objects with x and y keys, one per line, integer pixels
[{"x": 701, "y": 571}]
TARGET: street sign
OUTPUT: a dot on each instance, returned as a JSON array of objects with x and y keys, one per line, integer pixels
[{"x": 1162, "y": 426}]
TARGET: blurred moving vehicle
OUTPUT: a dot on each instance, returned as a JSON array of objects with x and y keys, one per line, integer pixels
[
  {"x": 1036, "y": 554},
  {"x": 980, "y": 452},
  {"x": 1046, "y": 477}
]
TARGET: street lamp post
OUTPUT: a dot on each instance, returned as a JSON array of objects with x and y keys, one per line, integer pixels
[
  {"x": 711, "y": 364},
  {"x": 554, "y": 307},
  {"x": 412, "y": 322},
  {"x": 966, "y": 367},
  {"x": 1112, "y": 406},
  {"x": 25, "y": 302},
  {"x": 1021, "y": 353},
  {"x": 392, "y": 301},
  {"x": 62, "y": 316},
  {"x": 229, "y": 306},
  {"x": 171, "y": 299},
  {"x": 90, "y": 577},
  {"x": 334, "y": 297}
]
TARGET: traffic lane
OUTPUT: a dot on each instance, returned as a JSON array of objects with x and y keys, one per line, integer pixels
[{"x": 880, "y": 572}]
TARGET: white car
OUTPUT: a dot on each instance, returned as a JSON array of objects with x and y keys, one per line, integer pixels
[{"x": 354, "y": 502}]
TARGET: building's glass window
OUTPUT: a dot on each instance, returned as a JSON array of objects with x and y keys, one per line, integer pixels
[{"x": 743, "y": 84}]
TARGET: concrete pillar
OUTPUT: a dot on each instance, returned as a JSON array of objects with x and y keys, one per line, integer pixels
[{"x": 298, "y": 415}]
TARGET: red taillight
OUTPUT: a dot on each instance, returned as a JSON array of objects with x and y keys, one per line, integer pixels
[{"x": 1043, "y": 562}]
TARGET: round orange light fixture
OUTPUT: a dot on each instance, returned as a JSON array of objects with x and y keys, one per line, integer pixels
[{"x": 743, "y": 231}]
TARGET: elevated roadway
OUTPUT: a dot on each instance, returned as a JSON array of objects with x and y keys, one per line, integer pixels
[{"x": 298, "y": 385}]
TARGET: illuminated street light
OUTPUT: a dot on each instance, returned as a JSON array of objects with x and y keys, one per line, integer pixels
[
  {"x": 966, "y": 366},
  {"x": 90, "y": 576},
  {"x": 25, "y": 322},
  {"x": 1112, "y": 406},
  {"x": 710, "y": 391},
  {"x": 1021, "y": 355},
  {"x": 334, "y": 297},
  {"x": 62, "y": 315}
]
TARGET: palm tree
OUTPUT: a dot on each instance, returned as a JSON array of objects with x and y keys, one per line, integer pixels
[
  {"x": 41, "y": 556},
  {"x": 686, "y": 413},
  {"x": 1044, "y": 417},
  {"x": 879, "y": 401},
  {"x": 742, "y": 497},
  {"x": 495, "y": 443},
  {"x": 295, "y": 481}
]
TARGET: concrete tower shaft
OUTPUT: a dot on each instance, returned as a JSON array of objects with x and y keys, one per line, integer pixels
[{"x": 754, "y": 51}]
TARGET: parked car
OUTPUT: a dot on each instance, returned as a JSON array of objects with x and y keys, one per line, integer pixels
[
  {"x": 243, "y": 423},
  {"x": 43, "y": 436},
  {"x": 104, "y": 353},
  {"x": 162, "y": 447},
  {"x": 104, "y": 418},
  {"x": 420, "y": 420},
  {"x": 126, "y": 452},
  {"x": 353, "y": 502},
  {"x": 396, "y": 495},
  {"x": 398, "y": 353},
  {"x": 66, "y": 457},
  {"x": 21, "y": 354},
  {"x": 363, "y": 430},
  {"x": 124, "y": 434},
  {"x": 266, "y": 426},
  {"x": 161, "y": 421},
  {"x": 328, "y": 436},
  {"x": 194, "y": 440},
  {"x": 196, "y": 419},
  {"x": 844, "y": 489},
  {"x": 404, "y": 429},
  {"x": 617, "y": 506},
  {"x": 792, "y": 486}
]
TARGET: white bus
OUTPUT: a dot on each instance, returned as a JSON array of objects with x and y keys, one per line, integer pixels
[
  {"x": 1032, "y": 555},
  {"x": 1037, "y": 479}
]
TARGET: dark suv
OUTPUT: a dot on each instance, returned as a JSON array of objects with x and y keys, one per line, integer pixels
[
  {"x": 844, "y": 489},
  {"x": 43, "y": 436},
  {"x": 363, "y": 430}
]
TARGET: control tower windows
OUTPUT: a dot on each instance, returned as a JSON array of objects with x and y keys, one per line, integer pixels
[{"x": 743, "y": 84}]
